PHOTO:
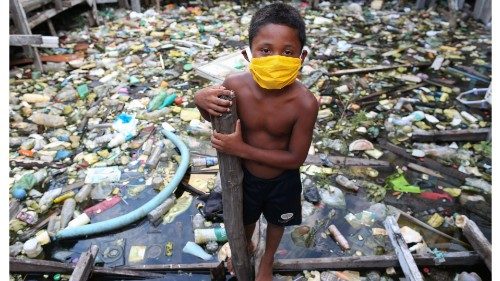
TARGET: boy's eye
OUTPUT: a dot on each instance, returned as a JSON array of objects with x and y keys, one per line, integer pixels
[
  {"x": 288, "y": 53},
  {"x": 265, "y": 50}
]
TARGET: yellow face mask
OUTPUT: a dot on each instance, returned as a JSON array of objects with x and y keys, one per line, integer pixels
[{"x": 275, "y": 72}]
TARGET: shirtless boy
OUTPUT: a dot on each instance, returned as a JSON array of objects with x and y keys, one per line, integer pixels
[{"x": 277, "y": 115}]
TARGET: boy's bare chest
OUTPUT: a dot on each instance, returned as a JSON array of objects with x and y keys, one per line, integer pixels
[{"x": 272, "y": 117}]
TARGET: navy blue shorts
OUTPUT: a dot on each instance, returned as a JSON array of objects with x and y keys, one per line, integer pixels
[{"x": 277, "y": 198}]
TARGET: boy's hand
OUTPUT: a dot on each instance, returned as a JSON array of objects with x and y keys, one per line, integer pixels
[
  {"x": 230, "y": 143},
  {"x": 208, "y": 100}
]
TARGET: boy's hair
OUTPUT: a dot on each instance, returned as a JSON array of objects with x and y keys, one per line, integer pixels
[{"x": 278, "y": 13}]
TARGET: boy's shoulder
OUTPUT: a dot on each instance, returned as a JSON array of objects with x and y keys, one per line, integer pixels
[
  {"x": 237, "y": 80},
  {"x": 307, "y": 99}
]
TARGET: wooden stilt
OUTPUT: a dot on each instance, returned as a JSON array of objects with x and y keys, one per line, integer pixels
[
  {"x": 232, "y": 198},
  {"x": 90, "y": 18},
  {"x": 259, "y": 240},
  {"x": 476, "y": 238},
  {"x": 51, "y": 28},
  {"x": 136, "y": 5},
  {"x": 58, "y": 4},
  {"x": 85, "y": 265},
  {"x": 158, "y": 8},
  {"x": 21, "y": 23}
]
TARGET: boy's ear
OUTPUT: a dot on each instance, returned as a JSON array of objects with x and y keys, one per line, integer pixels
[{"x": 303, "y": 55}]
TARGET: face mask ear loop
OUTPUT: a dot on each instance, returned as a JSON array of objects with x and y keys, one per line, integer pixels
[{"x": 249, "y": 52}]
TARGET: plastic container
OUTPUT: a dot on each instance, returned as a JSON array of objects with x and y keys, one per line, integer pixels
[
  {"x": 48, "y": 120},
  {"x": 83, "y": 193},
  {"x": 484, "y": 103},
  {"x": 48, "y": 197},
  {"x": 345, "y": 182},
  {"x": 198, "y": 221},
  {"x": 32, "y": 248},
  {"x": 67, "y": 211},
  {"x": 82, "y": 219},
  {"x": 154, "y": 158},
  {"x": 204, "y": 161},
  {"x": 202, "y": 236},
  {"x": 195, "y": 250}
]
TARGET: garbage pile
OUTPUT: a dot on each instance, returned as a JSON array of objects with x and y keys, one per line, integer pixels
[{"x": 86, "y": 142}]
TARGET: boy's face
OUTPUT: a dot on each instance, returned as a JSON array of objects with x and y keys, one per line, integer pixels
[{"x": 276, "y": 39}]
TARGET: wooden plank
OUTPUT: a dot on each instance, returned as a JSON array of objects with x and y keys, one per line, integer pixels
[
  {"x": 395, "y": 91},
  {"x": 377, "y": 68},
  {"x": 85, "y": 265},
  {"x": 426, "y": 162},
  {"x": 231, "y": 176},
  {"x": 426, "y": 226},
  {"x": 420, "y": 4},
  {"x": 33, "y": 40},
  {"x": 106, "y": 1},
  {"x": 452, "y": 135},
  {"x": 14, "y": 207},
  {"x": 405, "y": 258},
  {"x": 363, "y": 262},
  {"x": 43, "y": 266},
  {"x": 30, "y": 5},
  {"x": 475, "y": 237},
  {"x": 52, "y": 29},
  {"x": 346, "y": 161},
  {"x": 49, "y": 13}
]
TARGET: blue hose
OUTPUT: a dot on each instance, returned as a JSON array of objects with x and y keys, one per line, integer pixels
[{"x": 123, "y": 220}]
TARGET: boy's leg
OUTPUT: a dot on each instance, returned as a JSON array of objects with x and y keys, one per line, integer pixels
[
  {"x": 249, "y": 229},
  {"x": 273, "y": 238}
]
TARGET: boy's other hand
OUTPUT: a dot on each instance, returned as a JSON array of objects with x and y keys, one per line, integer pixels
[
  {"x": 230, "y": 143},
  {"x": 208, "y": 99}
]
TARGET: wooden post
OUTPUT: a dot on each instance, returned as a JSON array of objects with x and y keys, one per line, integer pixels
[
  {"x": 51, "y": 28},
  {"x": 476, "y": 238},
  {"x": 136, "y": 5},
  {"x": 405, "y": 258},
  {"x": 158, "y": 8},
  {"x": 21, "y": 23},
  {"x": 231, "y": 176},
  {"x": 58, "y": 4},
  {"x": 420, "y": 4},
  {"x": 259, "y": 240},
  {"x": 85, "y": 265}
]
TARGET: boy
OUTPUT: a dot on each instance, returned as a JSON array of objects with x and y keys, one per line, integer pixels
[{"x": 277, "y": 115}]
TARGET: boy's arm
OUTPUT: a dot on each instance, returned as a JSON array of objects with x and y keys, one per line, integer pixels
[{"x": 293, "y": 158}]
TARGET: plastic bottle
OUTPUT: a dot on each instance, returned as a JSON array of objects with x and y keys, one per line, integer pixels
[
  {"x": 104, "y": 138},
  {"x": 42, "y": 237},
  {"x": 28, "y": 181},
  {"x": 65, "y": 196},
  {"x": 117, "y": 140},
  {"x": 48, "y": 197},
  {"x": 155, "y": 115},
  {"x": 202, "y": 236},
  {"x": 32, "y": 248},
  {"x": 345, "y": 182},
  {"x": 154, "y": 158},
  {"x": 84, "y": 193},
  {"x": 48, "y": 120},
  {"x": 53, "y": 226},
  {"x": 82, "y": 219},
  {"x": 169, "y": 100},
  {"x": 67, "y": 211},
  {"x": 147, "y": 147},
  {"x": 157, "y": 101},
  {"x": 407, "y": 120},
  {"x": 198, "y": 221}
]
